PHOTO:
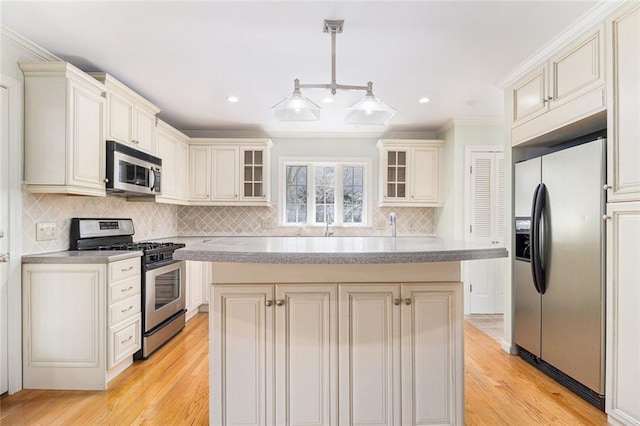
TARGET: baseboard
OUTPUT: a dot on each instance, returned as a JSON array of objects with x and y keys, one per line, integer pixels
[{"x": 509, "y": 348}]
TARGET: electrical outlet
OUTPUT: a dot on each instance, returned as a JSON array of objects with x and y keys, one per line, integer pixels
[
  {"x": 411, "y": 225},
  {"x": 267, "y": 224},
  {"x": 46, "y": 231}
]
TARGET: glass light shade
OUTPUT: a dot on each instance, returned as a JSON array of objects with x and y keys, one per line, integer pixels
[
  {"x": 296, "y": 108},
  {"x": 369, "y": 110}
]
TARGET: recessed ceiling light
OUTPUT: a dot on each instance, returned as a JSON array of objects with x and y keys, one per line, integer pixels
[
  {"x": 423, "y": 100},
  {"x": 232, "y": 99},
  {"x": 328, "y": 100}
]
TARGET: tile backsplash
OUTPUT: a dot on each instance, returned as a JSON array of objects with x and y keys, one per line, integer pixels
[
  {"x": 150, "y": 220},
  {"x": 262, "y": 221},
  {"x": 154, "y": 220}
]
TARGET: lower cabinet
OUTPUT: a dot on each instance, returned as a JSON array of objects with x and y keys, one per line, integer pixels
[
  {"x": 81, "y": 323},
  {"x": 623, "y": 316},
  {"x": 197, "y": 281},
  {"x": 328, "y": 354}
]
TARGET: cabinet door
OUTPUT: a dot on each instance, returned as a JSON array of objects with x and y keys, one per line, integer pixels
[
  {"x": 424, "y": 175},
  {"x": 254, "y": 174},
  {"x": 530, "y": 96},
  {"x": 306, "y": 355},
  {"x": 199, "y": 169},
  {"x": 623, "y": 90},
  {"x": 182, "y": 170},
  {"x": 224, "y": 173},
  {"x": 432, "y": 356},
  {"x": 369, "y": 363},
  {"x": 120, "y": 124},
  {"x": 87, "y": 138},
  {"x": 64, "y": 323},
  {"x": 241, "y": 347},
  {"x": 395, "y": 178},
  {"x": 167, "y": 152},
  {"x": 145, "y": 130},
  {"x": 576, "y": 70},
  {"x": 623, "y": 316}
]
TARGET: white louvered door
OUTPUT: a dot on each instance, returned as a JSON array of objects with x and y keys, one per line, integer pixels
[{"x": 486, "y": 213}]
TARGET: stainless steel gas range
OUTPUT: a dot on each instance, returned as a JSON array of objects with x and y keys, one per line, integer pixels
[{"x": 163, "y": 277}]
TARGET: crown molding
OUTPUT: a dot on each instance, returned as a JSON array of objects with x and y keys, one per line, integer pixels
[
  {"x": 307, "y": 135},
  {"x": 27, "y": 46},
  {"x": 594, "y": 16}
]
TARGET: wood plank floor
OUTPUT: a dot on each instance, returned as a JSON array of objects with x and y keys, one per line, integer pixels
[{"x": 171, "y": 388}]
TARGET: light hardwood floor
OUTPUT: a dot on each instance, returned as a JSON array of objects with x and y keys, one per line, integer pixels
[{"x": 171, "y": 388}]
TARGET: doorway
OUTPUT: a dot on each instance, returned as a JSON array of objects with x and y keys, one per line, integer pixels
[
  {"x": 10, "y": 227},
  {"x": 484, "y": 223}
]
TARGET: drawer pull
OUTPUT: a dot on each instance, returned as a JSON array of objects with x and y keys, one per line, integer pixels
[
  {"x": 124, "y": 290},
  {"x": 127, "y": 269},
  {"x": 127, "y": 310},
  {"x": 122, "y": 342}
]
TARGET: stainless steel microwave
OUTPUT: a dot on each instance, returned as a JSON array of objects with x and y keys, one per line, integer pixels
[{"x": 131, "y": 172}]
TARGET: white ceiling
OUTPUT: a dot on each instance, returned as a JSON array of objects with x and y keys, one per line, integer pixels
[{"x": 188, "y": 57}]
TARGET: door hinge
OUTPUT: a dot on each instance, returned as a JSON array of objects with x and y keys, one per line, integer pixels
[
  {"x": 471, "y": 229},
  {"x": 470, "y": 288},
  {"x": 470, "y": 170}
]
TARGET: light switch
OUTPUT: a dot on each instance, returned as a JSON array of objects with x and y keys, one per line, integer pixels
[{"x": 46, "y": 231}]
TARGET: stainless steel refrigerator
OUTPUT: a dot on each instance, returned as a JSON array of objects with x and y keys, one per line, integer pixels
[{"x": 559, "y": 266}]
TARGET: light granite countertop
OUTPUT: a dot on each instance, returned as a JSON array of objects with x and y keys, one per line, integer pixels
[
  {"x": 88, "y": 256},
  {"x": 336, "y": 250}
]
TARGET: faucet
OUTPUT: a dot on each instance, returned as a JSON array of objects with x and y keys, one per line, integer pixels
[
  {"x": 393, "y": 221},
  {"x": 327, "y": 232}
]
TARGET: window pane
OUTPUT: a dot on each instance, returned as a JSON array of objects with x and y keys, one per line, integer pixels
[
  {"x": 391, "y": 158},
  {"x": 257, "y": 157},
  {"x": 330, "y": 196},
  {"x": 320, "y": 214},
  {"x": 248, "y": 175},
  {"x": 248, "y": 190},
  {"x": 247, "y": 157},
  {"x": 347, "y": 179},
  {"x": 257, "y": 173},
  {"x": 402, "y": 158},
  {"x": 329, "y": 213},
  {"x": 357, "y": 176},
  {"x": 402, "y": 174},
  {"x": 296, "y": 191},
  {"x": 257, "y": 190}
]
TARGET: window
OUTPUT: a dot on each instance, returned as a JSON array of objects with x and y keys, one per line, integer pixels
[{"x": 324, "y": 192}]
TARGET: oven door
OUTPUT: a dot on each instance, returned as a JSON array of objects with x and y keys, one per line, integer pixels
[{"x": 164, "y": 293}]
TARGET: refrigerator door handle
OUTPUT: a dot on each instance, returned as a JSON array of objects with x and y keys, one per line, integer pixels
[
  {"x": 531, "y": 242},
  {"x": 539, "y": 203}
]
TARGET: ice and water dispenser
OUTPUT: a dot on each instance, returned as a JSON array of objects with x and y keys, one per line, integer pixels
[{"x": 523, "y": 233}]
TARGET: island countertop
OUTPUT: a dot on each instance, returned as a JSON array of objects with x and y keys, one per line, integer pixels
[{"x": 337, "y": 250}]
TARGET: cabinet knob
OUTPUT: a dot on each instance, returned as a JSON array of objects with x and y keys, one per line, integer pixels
[
  {"x": 106, "y": 180},
  {"x": 407, "y": 302},
  {"x": 606, "y": 186},
  {"x": 279, "y": 302},
  {"x": 396, "y": 302},
  {"x": 269, "y": 303},
  {"x": 4, "y": 257},
  {"x": 605, "y": 217}
]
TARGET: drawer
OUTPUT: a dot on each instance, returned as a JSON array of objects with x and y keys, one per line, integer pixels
[
  {"x": 124, "y": 269},
  {"x": 124, "y": 340},
  {"x": 125, "y": 309},
  {"x": 124, "y": 289}
]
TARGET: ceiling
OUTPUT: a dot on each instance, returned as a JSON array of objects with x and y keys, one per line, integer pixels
[{"x": 188, "y": 57}]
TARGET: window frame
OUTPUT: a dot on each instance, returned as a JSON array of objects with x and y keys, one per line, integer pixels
[{"x": 311, "y": 163}]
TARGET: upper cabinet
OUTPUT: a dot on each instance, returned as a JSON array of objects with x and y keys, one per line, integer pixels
[
  {"x": 64, "y": 124},
  {"x": 173, "y": 149},
  {"x": 131, "y": 119},
  {"x": 567, "y": 88},
  {"x": 229, "y": 172},
  {"x": 409, "y": 172},
  {"x": 623, "y": 126}
]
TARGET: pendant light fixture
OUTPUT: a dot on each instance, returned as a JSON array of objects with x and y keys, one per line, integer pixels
[{"x": 297, "y": 107}]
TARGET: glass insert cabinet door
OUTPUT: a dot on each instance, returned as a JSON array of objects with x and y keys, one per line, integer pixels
[
  {"x": 396, "y": 174},
  {"x": 253, "y": 173}
]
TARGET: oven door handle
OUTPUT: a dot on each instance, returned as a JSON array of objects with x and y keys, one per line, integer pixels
[{"x": 161, "y": 264}]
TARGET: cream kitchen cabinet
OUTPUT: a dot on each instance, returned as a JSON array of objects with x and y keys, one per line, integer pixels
[
  {"x": 64, "y": 125},
  {"x": 197, "y": 283},
  {"x": 623, "y": 126},
  {"x": 393, "y": 352},
  {"x": 567, "y": 88},
  {"x": 81, "y": 323},
  {"x": 229, "y": 172},
  {"x": 412, "y": 374},
  {"x": 131, "y": 119},
  {"x": 623, "y": 316},
  {"x": 409, "y": 172},
  {"x": 173, "y": 149},
  {"x": 277, "y": 345}
]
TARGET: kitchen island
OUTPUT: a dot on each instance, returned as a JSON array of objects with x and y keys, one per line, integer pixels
[{"x": 338, "y": 330}]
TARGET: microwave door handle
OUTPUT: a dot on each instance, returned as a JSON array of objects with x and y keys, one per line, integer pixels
[{"x": 152, "y": 179}]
